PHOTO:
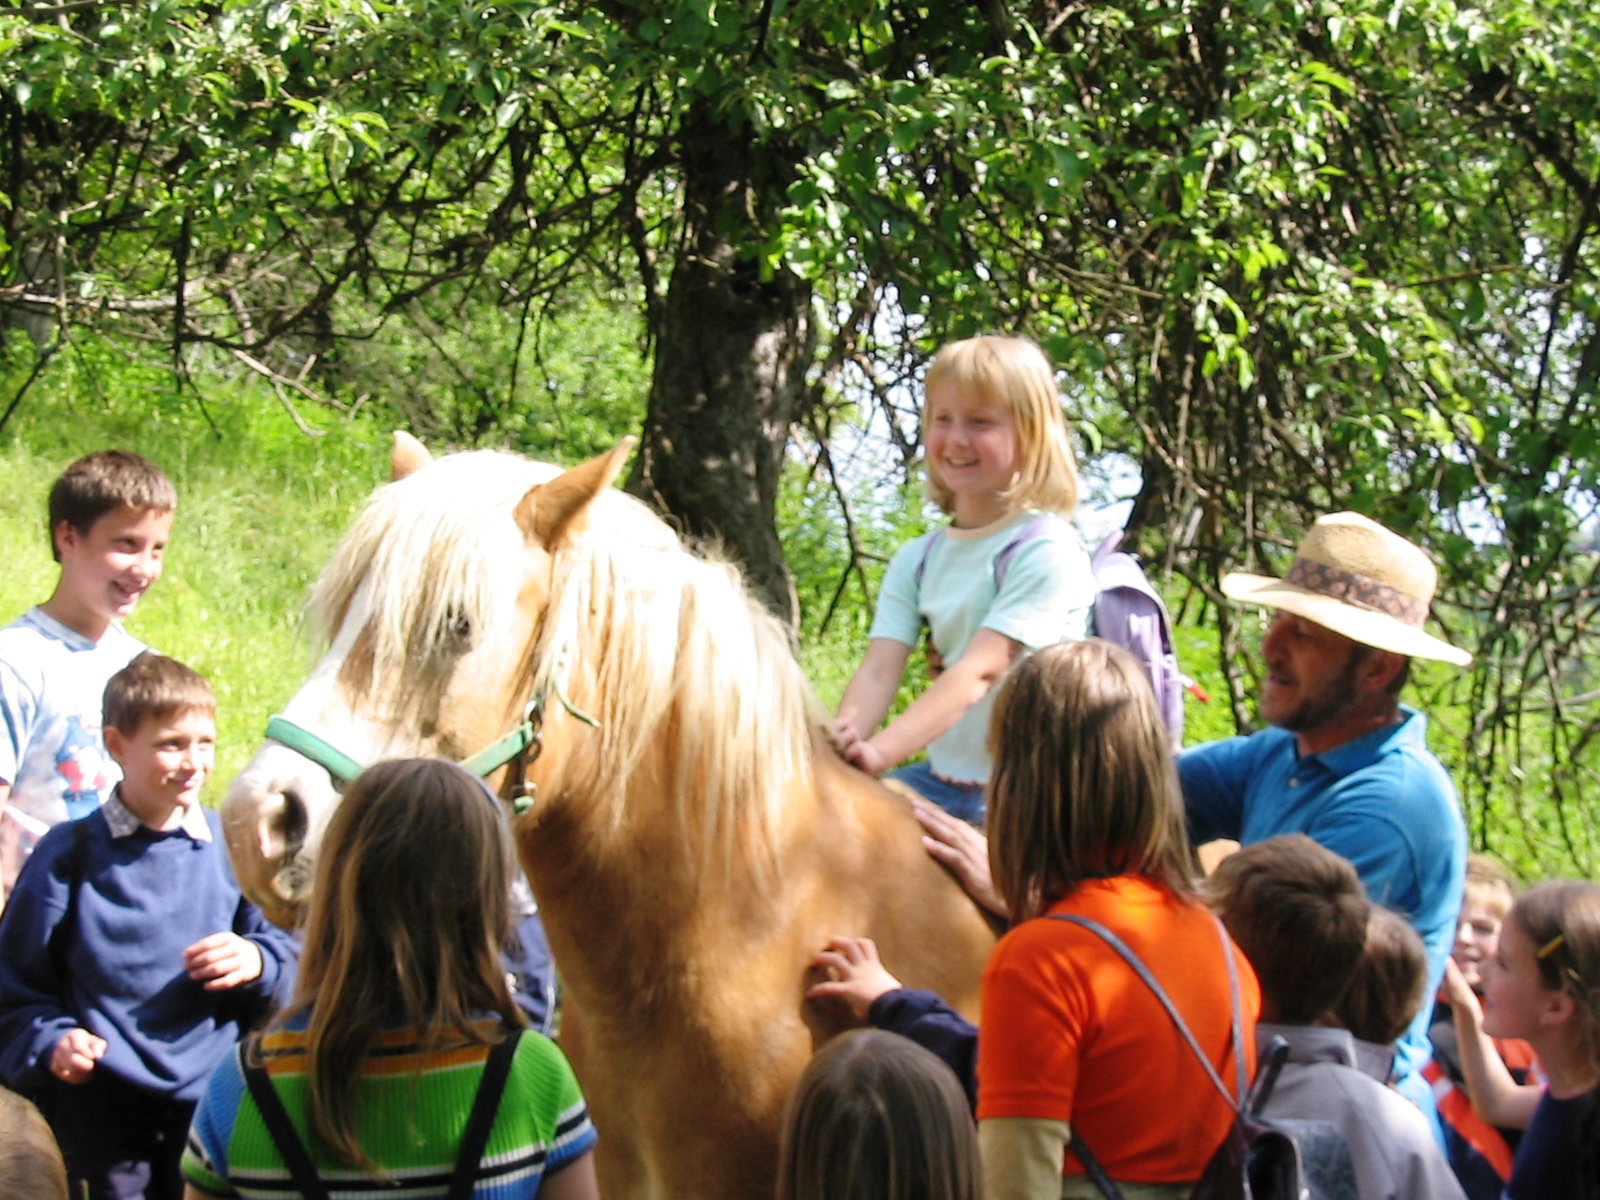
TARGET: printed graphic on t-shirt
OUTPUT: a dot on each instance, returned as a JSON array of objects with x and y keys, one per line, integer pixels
[{"x": 81, "y": 762}]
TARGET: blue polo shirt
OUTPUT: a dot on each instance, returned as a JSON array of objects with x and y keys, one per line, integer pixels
[{"x": 1383, "y": 801}]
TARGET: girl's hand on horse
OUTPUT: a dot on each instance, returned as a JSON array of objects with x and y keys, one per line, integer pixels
[
  {"x": 223, "y": 961},
  {"x": 965, "y": 850},
  {"x": 856, "y": 976}
]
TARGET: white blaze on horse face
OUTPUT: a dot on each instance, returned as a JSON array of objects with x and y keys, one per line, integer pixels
[{"x": 277, "y": 807}]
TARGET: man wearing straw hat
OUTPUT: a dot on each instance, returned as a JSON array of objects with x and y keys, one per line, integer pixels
[{"x": 1345, "y": 762}]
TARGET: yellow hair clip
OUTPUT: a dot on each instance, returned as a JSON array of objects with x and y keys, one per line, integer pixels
[{"x": 1550, "y": 947}]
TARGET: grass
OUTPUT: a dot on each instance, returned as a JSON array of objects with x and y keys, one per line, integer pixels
[{"x": 260, "y": 506}]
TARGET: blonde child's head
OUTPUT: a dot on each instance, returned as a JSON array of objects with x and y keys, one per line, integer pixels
[
  {"x": 1545, "y": 980},
  {"x": 1015, "y": 372},
  {"x": 1083, "y": 785},
  {"x": 874, "y": 1116},
  {"x": 1486, "y": 899}
]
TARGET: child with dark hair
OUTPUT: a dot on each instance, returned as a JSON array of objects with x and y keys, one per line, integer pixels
[
  {"x": 129, "y": 962},
  {"x": 110, "y": 514},
  {"x": 876, "y": 1117},
  {"x": 1301, "y": 916}
]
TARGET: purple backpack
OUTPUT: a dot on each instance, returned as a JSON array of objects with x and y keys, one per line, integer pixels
[{"x": 1127, "y": 610}]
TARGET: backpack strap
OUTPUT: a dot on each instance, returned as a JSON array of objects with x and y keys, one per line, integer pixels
[
  {"x": 1032, "y": 528},
  {"x": 1091, "y": 1164},
  {"x": 1143, "y": 972},
  {"x": 484, "y": 1106},
  {"x": 302, "y": 1172},
  {"x": 474, "y": 1138}
]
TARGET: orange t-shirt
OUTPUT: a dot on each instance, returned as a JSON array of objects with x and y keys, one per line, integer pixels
[{"x": 1070, "y": 1033}]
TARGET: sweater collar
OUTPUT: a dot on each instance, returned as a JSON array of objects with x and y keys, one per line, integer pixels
[{"x": 123, "y": 823}]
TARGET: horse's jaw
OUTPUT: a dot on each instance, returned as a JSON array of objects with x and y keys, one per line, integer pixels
[{"x": 273, "y": 817}]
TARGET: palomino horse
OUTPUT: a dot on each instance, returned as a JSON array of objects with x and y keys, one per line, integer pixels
[{"x": 692, "y": 838}]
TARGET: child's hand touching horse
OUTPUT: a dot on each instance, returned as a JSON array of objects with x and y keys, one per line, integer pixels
[{"x": 856, "y": 975}]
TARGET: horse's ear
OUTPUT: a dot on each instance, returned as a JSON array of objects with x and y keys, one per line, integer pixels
[
  {"x": 548, "y": 511},
  {"x": 407, "y": 457}
]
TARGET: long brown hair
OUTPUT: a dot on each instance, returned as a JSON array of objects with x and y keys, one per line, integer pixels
[
  {"x": 1084, "y": 785},
  {"x": 876, "y": 1117},
  {"x": 1562, "y": 921},
  {"x": 408, "y": 916}
]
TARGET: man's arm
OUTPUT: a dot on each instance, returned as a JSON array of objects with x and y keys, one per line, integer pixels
[{"x": 1215, "y": 777}]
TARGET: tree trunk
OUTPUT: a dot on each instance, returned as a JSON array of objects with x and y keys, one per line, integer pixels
[{"x": 730, "y": 365}]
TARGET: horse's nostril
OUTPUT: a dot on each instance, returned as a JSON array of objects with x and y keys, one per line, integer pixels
[{"x": 293, "y": 822}]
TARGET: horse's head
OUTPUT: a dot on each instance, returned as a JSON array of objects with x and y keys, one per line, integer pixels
[{"x": 430, "y": 610}]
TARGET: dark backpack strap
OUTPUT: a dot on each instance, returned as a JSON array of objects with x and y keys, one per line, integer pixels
[
  {"x": 1092, "y": 1168},
  {"x": 302, "y": 1172},
  {"x": 922, "y": 559},
  {"x": 1143, "y": 972},
  {"x": 485, "y": 1105}
]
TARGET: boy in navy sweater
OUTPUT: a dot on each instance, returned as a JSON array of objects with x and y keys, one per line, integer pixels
[{"x": 129, "y": 962}]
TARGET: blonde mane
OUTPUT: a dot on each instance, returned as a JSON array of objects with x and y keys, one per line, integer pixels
[
  {"x": 436, "y": 558},
  {"x": 665, "y": 648},
  {"x": 677, "y": 658}
]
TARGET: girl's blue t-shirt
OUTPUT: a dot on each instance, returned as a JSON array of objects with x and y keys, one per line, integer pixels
[{"x": 1046, "y": 596}]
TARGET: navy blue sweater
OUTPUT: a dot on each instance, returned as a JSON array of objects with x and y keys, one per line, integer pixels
[{"x": 142, "y": 901}]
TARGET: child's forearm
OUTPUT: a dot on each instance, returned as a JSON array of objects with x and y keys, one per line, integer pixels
[
  {"x": 872, "y": 688},
  {"x": 959, "y": 686},
  {"x": 1496, "y": 1097}
]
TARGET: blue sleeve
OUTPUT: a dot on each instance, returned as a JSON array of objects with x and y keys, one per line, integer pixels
[
  {"x": 1214, "y": 778},
  {"x": 33, "y": 1005},
  {"x": 898, "y": 617},
  {"x": 935, "y": 1026},
  {"x": 205, "y": 1158},
  {"x": 280, "y": 957}
]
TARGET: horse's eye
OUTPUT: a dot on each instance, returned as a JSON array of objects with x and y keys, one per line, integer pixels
[{"x": 459, "y": 627}]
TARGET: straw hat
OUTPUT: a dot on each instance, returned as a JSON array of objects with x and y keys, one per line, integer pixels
[{"x": 1356, "y": 578}]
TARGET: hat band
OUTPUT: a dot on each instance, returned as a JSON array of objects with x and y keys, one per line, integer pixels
[{"x": 1360, "y": 590}]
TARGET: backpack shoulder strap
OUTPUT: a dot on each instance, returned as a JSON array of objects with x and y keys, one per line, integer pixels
[
  {"x": 485, "y": 1105},
  {"x": 1032, "y": 529},
  {"x": 928, "y": 542},
  {"x": 302, "y": 1172},
  {"x": 474, "y": 1138},
  {"x": 1143, "y": 972}
]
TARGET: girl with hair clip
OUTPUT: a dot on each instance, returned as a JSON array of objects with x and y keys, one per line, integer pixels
[
  {"x": 1543, "y": 985},
  {"x": 876, "y": 1117},
  {"x": 403, "y": 1061},
  {"x": 1008, "y": 574},
  {"x": 1086, "y": 821}
]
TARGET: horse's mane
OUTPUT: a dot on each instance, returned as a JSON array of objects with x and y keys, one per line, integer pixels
[
  {"x": 665, "y": 648},
  {"x": 666, "y": 640},
  {"x": 434, "y": 557}
]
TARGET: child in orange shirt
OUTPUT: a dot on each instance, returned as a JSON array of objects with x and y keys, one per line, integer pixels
[{"x": 1086, "y": 821}]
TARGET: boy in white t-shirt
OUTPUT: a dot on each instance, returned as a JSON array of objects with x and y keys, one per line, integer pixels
[{"x": 110, "y": 516}]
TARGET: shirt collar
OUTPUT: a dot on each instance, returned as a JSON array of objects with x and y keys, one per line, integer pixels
[
  {"x": 123, "y": 823},
  {"x": 1367, "y": 749},
  {"x": 1309, "y": 1043}
]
